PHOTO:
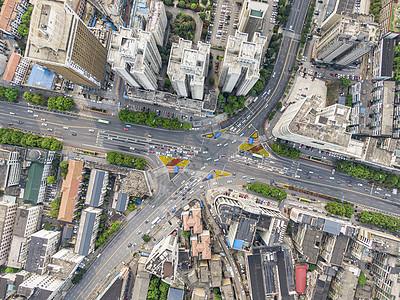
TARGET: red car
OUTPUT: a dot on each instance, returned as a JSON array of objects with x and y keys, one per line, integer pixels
[
  {"x": 126, "y": 128},
  {"x": 223, "y": 155},
  {"x": 151, "y": 151},
  {"x": 320, "y": 177}
]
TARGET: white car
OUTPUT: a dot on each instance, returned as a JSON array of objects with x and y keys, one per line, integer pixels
[
  {"x": 65, "y": 127},
  {"x": 44, "y": 124}
]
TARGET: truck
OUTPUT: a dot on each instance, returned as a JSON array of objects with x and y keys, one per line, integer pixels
[
  {"x": 155, "y": 221},
  {"x": 209, "y": 176}
]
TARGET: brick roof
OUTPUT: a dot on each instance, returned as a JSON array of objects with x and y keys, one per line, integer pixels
[
  {"x": 11, "y": 66},
  {"x": 8, "y": 14},
  {"x": 192, "y": 219},
  {"x": 201, "y": 244},
  {"x": 70, "y": 188}
]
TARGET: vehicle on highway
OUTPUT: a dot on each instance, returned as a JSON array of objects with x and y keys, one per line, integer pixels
[
  {"x": 49, "y": 129},
  {"x": 217, "y": 159},
  {"x": 103, "y": 121},
  {"x": 30, "y": 111},
  {"x": 20, "y": 122},
  {"x": 44, "y": 124},
  {"x": 10, "y": 124},
  {"x": 234, "y": 141},
  {"x": 91, "y": 130},
  {"x": 12, "y": 113},
  {"x": 226, "y": 144},
  {"x": 320, "y": 177},
  {"x": 126, "y": 128},
  {"x": 73, "y": 134},
  {"x": 153, "y": 206},
  {"x": 242, "y": 134},
  {"x": 65, "y": 127},
  {"x": 127, "y": 125}
]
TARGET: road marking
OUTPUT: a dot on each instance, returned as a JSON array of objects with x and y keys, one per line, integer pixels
[
  {"x": 128, "y": 239},
  {"x": 276, "y": 86},
  {"x": 317, "y": 183}
]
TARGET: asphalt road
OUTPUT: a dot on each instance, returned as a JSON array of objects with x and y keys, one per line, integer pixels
[{"x": 254, "y": 117}]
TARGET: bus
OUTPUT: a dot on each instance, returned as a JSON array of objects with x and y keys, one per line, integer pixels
[
  {"x": 257, "y": 155},
  {"x": 103, "y": 121},
  {"x": 155, "y": 221}
]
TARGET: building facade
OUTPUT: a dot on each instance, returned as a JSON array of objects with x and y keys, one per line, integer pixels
[
  {"x": 7, "y": 218},
  {"x": 135, "y": 59},
  {"x": 97, "y": 188},
  {"x": 60, "y": 41},
  {"x": 27, "y": 222},
  {"x": 346, "y": 41},
  {"x": 188, "y": 68},
  {"x": 87, "y": 233},
  {"x": 241, "y": 66},
  {"x": 157, "y": 21},
  {"x": 43, "y": 245}
]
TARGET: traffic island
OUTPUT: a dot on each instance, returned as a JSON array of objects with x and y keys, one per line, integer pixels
[
  {"x": 215, "y": 135},
  {"x": 254, "y": 146},
  {"x": 216, "y": 174},
  {"x": 174, "y": 165}
]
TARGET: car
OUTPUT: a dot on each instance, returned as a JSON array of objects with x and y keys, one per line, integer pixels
[
  {"x": 349, "y": 185},
  {"x": 35, "y": 116},
  {"x": 12, "y": 113},
  {"x": 127, "y": 125},
  {"x": 217, "y": 159},
  {"x": 223, "y": 155},
  {"x": 73, "y": 134},
  {"x": 65, "y": 127},
  {"x": 242, "y": 134},
  {"x": 209, "y": 158},
  {"x": 10, "y": 124},
  {"x": 218, "y": 145},
  {"x": 125, "y": 128},
  {"x": 44, "y": 124},
  {"x": 49, "y": 129},
  {"x": 226, "y": 144},
  {"x": 44, "y": 120},
  {"x": 234, "y": 141},
  {"x": 320, "y": 177},
  {"x": 91, "y": 130},
  {"x": 20, "y": 122},
  {"x": 30, "y": 111},
  {"x": 338, "y": 182}
]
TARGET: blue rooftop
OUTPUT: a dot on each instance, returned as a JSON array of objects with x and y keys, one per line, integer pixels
[
  {"x": 237, "y": 244},
  {"x": 41, "y": 77}
]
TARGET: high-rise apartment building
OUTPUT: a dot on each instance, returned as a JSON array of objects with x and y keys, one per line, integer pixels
[
  {"x": 7, "y": 218},
  {"x": 97, "y": 188},
  {"x": 43, "y": 245},
  {"x": 27, "y": 222},
  {"x": 135, "y": 59},
  {"x": 187, "y": 68},
  {"x": 346, "y": 41},
  {"x": 389, "y": 18},
  {"x": 60, "y": 41},
  {"x": 241, "y": 65},
  {"x": 336, "y": 10},
  {"x": 87, "y": 232},
  {"x": 157, "y": 22},
  {"x": 251, "y": 17},
  {"x": 13, "y": 170}
]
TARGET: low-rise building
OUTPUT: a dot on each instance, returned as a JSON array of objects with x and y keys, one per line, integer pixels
[
  {"x": 121, "y": 201},
  {"x": 97, "y": 188},
  {"x": 70, "y": 191},
  {"x": 11, "y": 16},
  {"x": 40, "y": 287},
  {"x": 216, "y": 270},
  {"x": 382, "y": 64},
  {"x": 43, "y": 245},
  {"x": 344, "y": 284},
  {"x": 201, "y": 245},
  {"x": 163, "y": 259},
  {"x": 142, "y": 281},
  {"x": 9, "y": 283},
  {"x": 88, "y": 228},
  {"x": 192, "y": 220},
  {"x": 64, "y": 263}
]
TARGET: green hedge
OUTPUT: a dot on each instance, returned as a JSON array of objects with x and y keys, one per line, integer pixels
[
  {"x": 104, "y": 236},
  {"x": 282, "y": 149},
  {"x": 151, "y": 119},
  {"x": 266, "y": 190},
  {"x": 380, "y": 220}
]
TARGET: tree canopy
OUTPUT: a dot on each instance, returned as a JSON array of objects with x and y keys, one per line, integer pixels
[
  {"x": 282, "y": 149},
  {"x": 18, "y": 138},
  {"x": 380, "y": 220},
  {"x": 121, "y": 159}
]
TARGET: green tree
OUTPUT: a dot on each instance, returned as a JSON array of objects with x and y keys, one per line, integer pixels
[
  {"x": 211, "y": 80},
  {"x": 362, "y": 280},
  {"x": 186, "y": 234},
  {"x": 181, "y": 4},
  {"x": 345, "y": 82},
  {"x": 11, "y": 94},
  {"x": 146, "y": 238},
  {"x": 335, "y": 208},
  {"x": 131, "y": 207},
  {"x": 186, "y": 126},
  {"x": 168, "y": 3},
  {"x": 55, "y": 207},
  {"x": 48, "y": 226},
  {"x": 193, "y": 6},
  {"x": 64, "y": 168},
  {"x": 50, "y": 179},
  {"x": 202, "y": 15}
]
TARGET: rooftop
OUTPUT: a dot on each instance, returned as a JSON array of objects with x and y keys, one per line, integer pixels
[
  {"x": 95, "y": 188},
  {"x": 201, "y": 245},
  {"x": 11, "y": 65},
  {"x": 33, "y": 183},
  {"x": 8, "y": 14},
  {"x": 70, "y": 189},
  {"x": 301, "y": 278},
  {"x": 87, "y": 227},
  {"x": 41, "y": 77},
  {"x": 192, "y": 219}
]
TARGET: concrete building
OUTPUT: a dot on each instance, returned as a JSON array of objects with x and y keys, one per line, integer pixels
[
  {"x": 9, "y": 283},
  {"x": 192, "y": 220},
  {"x": 336, "y": 9},
  {"x": 64, "y": 263},
  {"x": 87, "y": 233},
  {"x": 309, "y": 122},
  {"x": 163, "y": 259},
  {"x": 157, "y": 21},
  {"x": 243, "y": 218},
  {"x": 97, "y": 188},
  {"x": 135, "y": 59},
  {"x": 43, "y": 245},
  {"x": 386, "y": 270},
  {"x": 142, "y": 281},
  {"x": 70, "y": 191},
  {"x": 40, "y": 287},
  {"x": 270, "y": 273},
  {"x": 7, "y": 218},
  {"x": 60, "y": 41},
  {"x": 346, "y": 41},
  {"x": 13, "y": 170},
  {"x": 121, "y": 201},
  {"x": 382, "y": 65},
  {"x": 252, "y": 17},
  {"x": 188, "y": 68},
  {"x": 241, "y": 66},
  {"x": 344, "y": 284},
  {"x": 27, "y": 222}
]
